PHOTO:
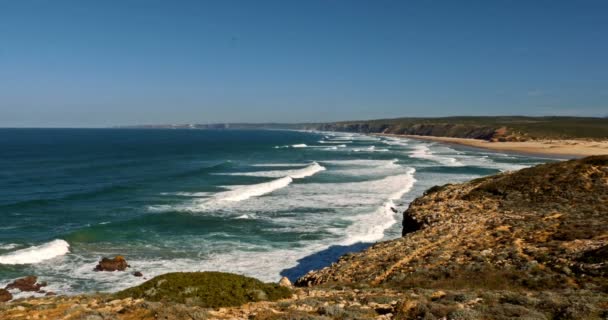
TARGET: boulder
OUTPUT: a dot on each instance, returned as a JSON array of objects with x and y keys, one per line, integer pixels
[
  {"x": 138, "y": 274},
  {"x": 284, "y": 282},
  {"x": 118, "y": 263},
  {"x": 5, "y": 295},
  {"x": 26, "y": 284}
]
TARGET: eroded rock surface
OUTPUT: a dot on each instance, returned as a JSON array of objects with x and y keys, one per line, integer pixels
[{"x": 539, "y": 228}]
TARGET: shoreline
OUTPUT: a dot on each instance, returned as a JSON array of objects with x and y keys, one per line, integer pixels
[{"x": 551, "y": 148}]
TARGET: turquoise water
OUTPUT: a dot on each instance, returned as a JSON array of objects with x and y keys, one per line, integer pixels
[{"x": 260, "y": 203}]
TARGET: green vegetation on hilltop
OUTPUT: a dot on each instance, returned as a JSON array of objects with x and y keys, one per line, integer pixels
[{"x": 206, "y": 289}]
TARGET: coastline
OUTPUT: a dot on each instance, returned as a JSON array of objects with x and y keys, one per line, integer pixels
[{"x": 553, "y": 148}]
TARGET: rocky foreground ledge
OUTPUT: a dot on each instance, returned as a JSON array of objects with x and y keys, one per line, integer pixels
[{"x": 530, "y": 244}]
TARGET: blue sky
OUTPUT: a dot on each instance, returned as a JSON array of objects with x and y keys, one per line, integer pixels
[{"x": 100, "y": 63}]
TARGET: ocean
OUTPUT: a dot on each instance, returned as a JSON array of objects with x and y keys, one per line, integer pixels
[{"x": 261, "y": 203}]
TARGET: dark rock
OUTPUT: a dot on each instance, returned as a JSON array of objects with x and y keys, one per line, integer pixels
[
  {"x": 5, "y": 295},
  {"x": 138, "y": 274},
  {"x": 50, "y": 293},
  {"x": 409, "y": 224},
  {"x": 118, "y": 263},
  {"x": 26, "y": 284}
]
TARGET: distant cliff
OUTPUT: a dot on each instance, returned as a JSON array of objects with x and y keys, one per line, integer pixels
[{"x": 486, "y": 128}]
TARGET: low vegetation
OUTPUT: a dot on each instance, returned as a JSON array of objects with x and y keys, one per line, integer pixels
[{"x": 206, "y": 289}]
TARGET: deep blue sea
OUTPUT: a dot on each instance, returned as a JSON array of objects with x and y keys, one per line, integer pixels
[{"x": 257, "y": 202}]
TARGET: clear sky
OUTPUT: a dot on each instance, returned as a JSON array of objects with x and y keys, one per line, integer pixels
[{"x": 100, "y": 63}]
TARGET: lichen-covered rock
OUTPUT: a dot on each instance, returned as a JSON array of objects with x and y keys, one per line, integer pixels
[{"x": 117, "y": 263}]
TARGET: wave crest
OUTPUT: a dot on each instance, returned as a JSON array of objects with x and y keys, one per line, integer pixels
[{"x": 36, "y": 254}]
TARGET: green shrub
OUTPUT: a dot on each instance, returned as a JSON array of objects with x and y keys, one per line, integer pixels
[{"x": 206, "y": 289}]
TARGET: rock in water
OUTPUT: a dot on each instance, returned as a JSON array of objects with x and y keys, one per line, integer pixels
[
  {"x": 138, "y": 274},
  {"x": 5, "y": 295},
  {"x": 284, "y": 282},
  {"x": 26, "y": 284},
  {"x": 118, "y": 263}
]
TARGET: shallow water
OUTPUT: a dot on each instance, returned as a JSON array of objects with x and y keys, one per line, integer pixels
[{"x": 260, "y": 203}]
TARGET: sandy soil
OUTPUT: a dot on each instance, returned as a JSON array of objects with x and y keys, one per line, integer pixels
[{"x": 570, "y": 148}]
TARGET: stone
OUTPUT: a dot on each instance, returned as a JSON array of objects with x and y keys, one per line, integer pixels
[
  {"x": 138, "y": 274},
  {"x": 438, "y": 295},
  {"x": 5, "y": 295},
  {"x": 26, "y": 284},
  {"x": 284, "y": 282},
  {"x": 118, "y": 263}
]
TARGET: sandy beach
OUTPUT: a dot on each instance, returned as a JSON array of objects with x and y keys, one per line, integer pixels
[{"x": 569, "y": 148}]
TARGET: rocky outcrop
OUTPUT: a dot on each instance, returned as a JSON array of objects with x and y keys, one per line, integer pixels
[
  {"x": 29, "y": 283},
  {"x": 117, "y": 263},
  {"x": 540, "y": 228}
]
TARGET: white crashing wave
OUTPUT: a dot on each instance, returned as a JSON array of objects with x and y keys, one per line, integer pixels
[
  {"x": 36, "y": 254},
  {"x": 301, "y": 145},
  {"x": 295, "y": 173},
  {"x": 370, "y": 227},
  {"x": 246, "y": 192},
  {"x": 423, "y": 152}
]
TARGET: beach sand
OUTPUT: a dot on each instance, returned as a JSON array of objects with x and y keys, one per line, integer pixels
[{"x": 570, "y": 148}]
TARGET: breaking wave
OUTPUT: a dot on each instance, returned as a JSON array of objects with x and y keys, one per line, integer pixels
[
  {"x": 36, "y": 254},
  {"x": 423, "y": 152}
]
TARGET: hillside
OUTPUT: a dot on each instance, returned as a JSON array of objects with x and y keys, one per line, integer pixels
[
  {"x": 499, "y": 128},
  {"x": 528, "y": 244}
]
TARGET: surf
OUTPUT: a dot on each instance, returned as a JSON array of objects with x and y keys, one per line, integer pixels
[{"x": 36, "y": 254}]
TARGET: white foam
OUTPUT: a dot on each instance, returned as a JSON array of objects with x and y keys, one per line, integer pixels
[
  {"x": 423, "y": 152},
  {"x": 295, "y": 174},
  {"x": 307, "y": 172},
  {"x": 246, "y": 192},
  {"x": 8, "y": 246},
  {"x": 371, "y": 227},
  {"x": 335, "y": 142},
  {"x": 301, "y": 145},
  {"x": 279, "y": 164},
  {"x": 36, "y": 254}
]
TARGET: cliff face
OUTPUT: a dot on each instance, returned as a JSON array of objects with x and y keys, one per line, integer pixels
[
  {"x": 539, "y": 228},
  {"x": 499, "y": 128},
  {"x": 421, "y": 129}
]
